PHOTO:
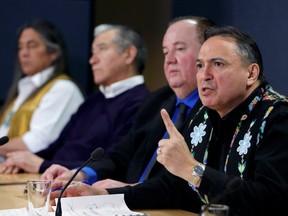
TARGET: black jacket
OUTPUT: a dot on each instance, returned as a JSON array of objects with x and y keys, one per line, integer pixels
[{"x": 127, "y": 160}]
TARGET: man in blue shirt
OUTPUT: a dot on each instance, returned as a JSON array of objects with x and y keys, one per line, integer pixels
[{"x": 127, "y": 160}]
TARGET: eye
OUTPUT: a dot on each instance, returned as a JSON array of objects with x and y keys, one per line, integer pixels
[
  {"x": 219, "y": 64},
  {"x": 180, "y": 48},
  {"x": 32, "y": 45},
  {"x": 102, "y": 47},
  {"x": 165, "y": 51},
  {"x": 199, "y": 65}
]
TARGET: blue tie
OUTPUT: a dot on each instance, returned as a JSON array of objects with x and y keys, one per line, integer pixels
[{"x": 182, "y": 110}]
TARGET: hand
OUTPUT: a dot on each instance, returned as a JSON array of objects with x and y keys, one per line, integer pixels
[
  {"x": 173, "y": 152},
  {"x": 60, "y": 173},
  {"x": 14, "y": 144},
  {"x": 75, "y": 189},
  {"x": 22, "y": 160},
  {"x": 110, "y": 183},
  {"x": 6, "y": 169}
]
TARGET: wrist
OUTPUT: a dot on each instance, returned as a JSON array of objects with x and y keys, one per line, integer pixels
[{"x": 196, "y": 175}]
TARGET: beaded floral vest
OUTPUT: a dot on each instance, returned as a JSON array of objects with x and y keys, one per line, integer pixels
[{"x": 246, "y": 137}]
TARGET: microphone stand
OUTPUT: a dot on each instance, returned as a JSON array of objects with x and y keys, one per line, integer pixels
[{"x": 97, "y": 153}]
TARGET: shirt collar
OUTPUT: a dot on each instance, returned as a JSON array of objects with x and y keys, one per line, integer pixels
[
  {"x": 234, "y": 116},
  {"x": 190, "y": 100},
  {"x": 37, "y": 79},
  {"x": 119, "y": 87}
]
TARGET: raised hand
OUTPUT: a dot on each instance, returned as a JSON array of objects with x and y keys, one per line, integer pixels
[{"x": 173, "y": 152}]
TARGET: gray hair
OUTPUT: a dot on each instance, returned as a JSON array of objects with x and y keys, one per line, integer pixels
[{"x": 125, "y": 38}]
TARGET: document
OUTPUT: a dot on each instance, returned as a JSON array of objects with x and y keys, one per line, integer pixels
[
  {"x": 14, "y": 212},
  {"x": 102, "y": 205}
]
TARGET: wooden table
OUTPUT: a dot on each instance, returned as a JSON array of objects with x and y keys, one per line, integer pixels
[{"x": 13, "y": 196}]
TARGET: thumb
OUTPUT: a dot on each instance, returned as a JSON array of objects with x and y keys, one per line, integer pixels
[{"x": 170, "y": 127}]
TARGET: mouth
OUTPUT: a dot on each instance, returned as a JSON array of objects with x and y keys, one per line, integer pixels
[
  {"x": 206, "y": 90},
  {"x": 173, "y": 72},
  {"x": 24, "y": 63}
]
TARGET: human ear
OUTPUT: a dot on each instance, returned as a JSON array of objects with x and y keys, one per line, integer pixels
[
  {"x": 253, "y": 74},
  {"x": 130, "y": 54},
  {"x": 54, "y": 56}
]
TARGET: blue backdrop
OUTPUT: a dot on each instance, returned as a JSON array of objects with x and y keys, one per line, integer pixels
[
  {"x": 72, "y": 17},
  {"x": 265, "y": 21}
]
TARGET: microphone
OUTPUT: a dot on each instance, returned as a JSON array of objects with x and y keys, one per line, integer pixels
[
  {"x": 4, "y": 140},
  {"x": 232, "y": 186},
  {"x": 96, "y": 154}
]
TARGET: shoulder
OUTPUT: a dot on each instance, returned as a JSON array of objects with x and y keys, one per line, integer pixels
[
  {"x": 161, "y": 94},
  {"x": 158, "y": 99},
  {"x": 137, "y": 93},
  {"x": 65, "y": 85}
]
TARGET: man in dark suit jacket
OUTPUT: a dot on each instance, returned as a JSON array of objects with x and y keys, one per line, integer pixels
[{"x": 127, "y": 160}]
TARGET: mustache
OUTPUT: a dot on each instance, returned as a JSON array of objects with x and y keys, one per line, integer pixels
[{"x": 206, "y": 84}]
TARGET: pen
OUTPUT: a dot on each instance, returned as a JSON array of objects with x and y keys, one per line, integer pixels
[{"x": 55, "y": 189}]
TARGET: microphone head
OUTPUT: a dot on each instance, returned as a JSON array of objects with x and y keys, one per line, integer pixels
[
  {"x": 97, "y": 153},
  {"x": 4, "y": 140}
]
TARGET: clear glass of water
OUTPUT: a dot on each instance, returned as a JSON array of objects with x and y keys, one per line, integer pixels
[{"x": 38, "y": 197}]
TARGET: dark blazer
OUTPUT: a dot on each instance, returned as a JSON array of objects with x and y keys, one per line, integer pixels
[{"x": 127, "y": 160}]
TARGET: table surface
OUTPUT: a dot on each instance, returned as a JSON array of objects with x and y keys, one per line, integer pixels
[{"x": 13, "y": 196}]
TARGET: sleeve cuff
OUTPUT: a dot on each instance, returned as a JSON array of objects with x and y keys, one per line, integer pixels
[{"x": 91, "y": 175}]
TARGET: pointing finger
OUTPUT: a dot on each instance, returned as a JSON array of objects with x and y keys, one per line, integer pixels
[{"x": 170, "y": 127}]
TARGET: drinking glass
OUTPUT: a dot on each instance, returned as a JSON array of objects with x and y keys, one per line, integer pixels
[{"x": 38, "y": 197}]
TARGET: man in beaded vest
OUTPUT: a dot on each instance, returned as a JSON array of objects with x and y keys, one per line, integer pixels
[{"x": 238, "y": 140}]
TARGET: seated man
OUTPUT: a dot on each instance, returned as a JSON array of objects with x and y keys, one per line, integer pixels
[
  {"x": 42, "y": 97},
  {"x": 117, "y": 61},
  {"x": 236, "y": 148},
  {"x": 134, "y": 160}
]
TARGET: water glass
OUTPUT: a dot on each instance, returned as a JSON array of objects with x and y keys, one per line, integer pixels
[
  {"x": 215, "y": 210},
  {"x": 38, "y": 197}
]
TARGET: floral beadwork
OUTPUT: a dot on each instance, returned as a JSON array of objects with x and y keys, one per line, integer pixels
[
  {"x": 242, "y": 150},
  {"x": 244, "y": 144},
  {"x": 198, "y": 134}
]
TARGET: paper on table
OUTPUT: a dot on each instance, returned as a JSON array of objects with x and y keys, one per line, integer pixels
[
  {"x": 14, "y": 212},
  {"x": 102, "y": 205},
  {"x": 17, "y": 212}
]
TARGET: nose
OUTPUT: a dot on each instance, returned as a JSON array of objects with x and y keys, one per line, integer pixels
[
  {"x": 204, "y": 72},
  {"x": 170, "y": 58},
  {"x": 24, "y": 51},
  {"x": 93, "y": 59}
]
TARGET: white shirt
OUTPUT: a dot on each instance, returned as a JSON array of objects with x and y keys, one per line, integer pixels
[
  {"x": 53, "y": 113},
  {"x": 119, "y": 87}
]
